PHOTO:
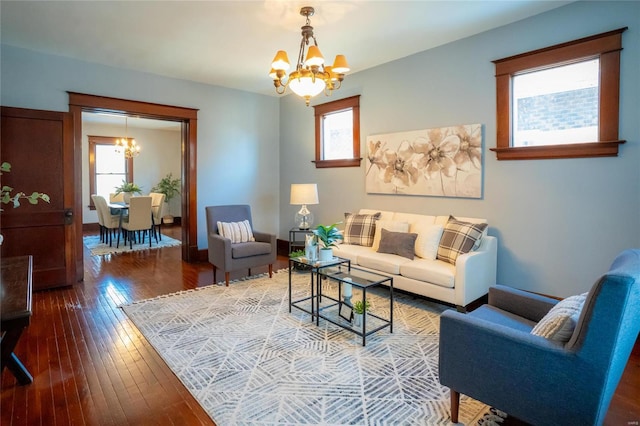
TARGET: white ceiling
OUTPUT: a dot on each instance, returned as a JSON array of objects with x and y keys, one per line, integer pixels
[{"x": 232, "y": 43}]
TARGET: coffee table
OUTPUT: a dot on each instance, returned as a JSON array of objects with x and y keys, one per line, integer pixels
[
  {"x": 313, "y": 267},
  {"x": 333, "y": 310}
]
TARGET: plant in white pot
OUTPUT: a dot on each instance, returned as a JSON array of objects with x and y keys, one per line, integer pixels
[
  {"x": 170, "y": 187},
  {"x": 128, "y": 189},
  {"x": 328, "y": 236},
  {"x": 359, "y": 309}
]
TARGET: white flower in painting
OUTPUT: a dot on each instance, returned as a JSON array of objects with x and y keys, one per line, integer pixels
[
  {"x": 470, "y": 151},
  {"x": 437, "y": 153},
  {"x": 400, "y": 170}
]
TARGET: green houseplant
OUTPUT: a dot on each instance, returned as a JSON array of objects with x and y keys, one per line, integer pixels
[
  {"x": 329, "y": 236},
  {"x": 359, "y": 309},
  {"x": 170, "y": 187},
  {"x": 128, "y": 188}
]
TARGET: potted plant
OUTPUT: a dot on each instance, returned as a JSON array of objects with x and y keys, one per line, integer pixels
[
  {"x": 128, "y": 189},
  {"x": 359, "y": 308},
  {"x": 329, "y": 236},
  {"x": 170, "y": 187}
]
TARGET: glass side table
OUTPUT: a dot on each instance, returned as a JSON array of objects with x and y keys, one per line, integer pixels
[{"x": 308, "y": 303}]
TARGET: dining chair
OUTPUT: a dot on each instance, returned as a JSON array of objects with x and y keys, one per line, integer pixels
[
  {"x": 116, "y": 198},
  {"x": 110, "y": 222},
  {"x": 139, "y": 219},
  {"x": 157, "y": 208}
]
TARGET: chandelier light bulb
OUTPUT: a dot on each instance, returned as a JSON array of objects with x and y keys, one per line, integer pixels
[{"x": 310, "y": 77}]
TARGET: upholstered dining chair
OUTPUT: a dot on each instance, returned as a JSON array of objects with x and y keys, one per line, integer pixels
[
  {"x": 139, "y": 220},
  {"x": 556, "y": 375},
  {"x": 157, "y": 208},
  {"x": 109, "y": 223},
  {"x": 230, "y": 253}
]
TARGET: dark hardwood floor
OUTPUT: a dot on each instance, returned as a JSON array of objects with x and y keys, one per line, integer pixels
[{"x": 91, "y": 366}]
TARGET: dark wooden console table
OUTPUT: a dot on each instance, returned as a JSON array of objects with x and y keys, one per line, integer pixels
[{"x": 15, "y": 289}]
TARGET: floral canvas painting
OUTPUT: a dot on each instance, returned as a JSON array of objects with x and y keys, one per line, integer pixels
[{"x": 445, "y": 162}]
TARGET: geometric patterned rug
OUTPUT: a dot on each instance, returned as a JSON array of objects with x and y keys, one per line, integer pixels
[
  {"x": 97, "y": 248},
  {"x": 247, "y": 360}
]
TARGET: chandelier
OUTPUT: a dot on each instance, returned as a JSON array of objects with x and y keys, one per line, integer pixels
[
  {"x": 128, "y": 146},
  {"x": 311, "y": 76}
]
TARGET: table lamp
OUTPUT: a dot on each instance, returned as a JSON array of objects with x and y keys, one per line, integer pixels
[{"x": 301, "y": 195}]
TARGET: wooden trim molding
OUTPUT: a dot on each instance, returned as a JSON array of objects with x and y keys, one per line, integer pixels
[
  {"x": 606, "y": 47},
  {"x": 320, "y": 111},
  {"x": 80, "y": 102}
]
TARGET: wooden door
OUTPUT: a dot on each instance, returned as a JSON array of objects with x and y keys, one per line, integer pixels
[{"x": 39, "y": 147}]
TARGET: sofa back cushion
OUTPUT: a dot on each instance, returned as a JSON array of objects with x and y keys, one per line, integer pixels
[{"x": 359, "y": 229}]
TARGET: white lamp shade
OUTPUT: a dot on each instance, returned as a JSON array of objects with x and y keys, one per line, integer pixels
[
  {"x": 304, "y": 193},
  {"x": 305, "y": 84}
]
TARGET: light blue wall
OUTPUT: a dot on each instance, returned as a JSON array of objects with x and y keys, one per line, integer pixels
[
  {"x": 238, "y": 139},
  {"x": 559, "y": 223}
]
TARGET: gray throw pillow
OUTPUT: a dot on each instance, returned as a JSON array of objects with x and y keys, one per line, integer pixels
[{"x": 400, "y": 243}]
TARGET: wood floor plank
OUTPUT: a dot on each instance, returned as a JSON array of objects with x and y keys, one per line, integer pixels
[{"x": 92, "y": 366}]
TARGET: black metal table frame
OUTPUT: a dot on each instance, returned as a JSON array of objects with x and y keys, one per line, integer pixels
[
  {"x": 314, "y": 278},
  {"x": 364, "y": 333}
]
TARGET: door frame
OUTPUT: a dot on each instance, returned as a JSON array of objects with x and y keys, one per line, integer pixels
[{"x": 80, "y": 102}]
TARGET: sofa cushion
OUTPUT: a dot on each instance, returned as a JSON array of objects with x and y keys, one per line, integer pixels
[
  {"x": 400, "y": 243},
  {"x": 351, "y": 252},
  {"x": 429, "y": 235},
  {"x": 432, "y": 271},
  {"x": 237, "y": 232},
  {"x": 252, "y": 248},
  {"x": 458, "y": 238},
  {"x": 384, "y": 215},
  {"x": 360, "y": 229},
  {"x": 382, "y": 262},
  {"x": 558, "y": 324},
  {"x": 389, "y": 225}
]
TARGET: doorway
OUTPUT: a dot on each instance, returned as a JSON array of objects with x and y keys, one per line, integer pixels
[{"x": 187, "y": 117}]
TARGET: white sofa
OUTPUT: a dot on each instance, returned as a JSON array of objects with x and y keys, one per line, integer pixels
[{"x": 459, "y": 284}]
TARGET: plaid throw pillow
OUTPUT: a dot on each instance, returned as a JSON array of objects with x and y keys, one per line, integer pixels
[
  {"x": 237, "y": 232},
  {"x": 359, "y": 229},
  {"x": 459, "y": 238}
]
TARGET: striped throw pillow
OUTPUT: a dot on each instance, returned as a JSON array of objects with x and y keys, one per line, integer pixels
[
  {"x": 237, "y": 232},
  {"x": 359, "y": 229},
  {"x": 459, "y": 238}
]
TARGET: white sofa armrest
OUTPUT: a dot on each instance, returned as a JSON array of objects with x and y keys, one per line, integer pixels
[{"x": 476, "y": 272}]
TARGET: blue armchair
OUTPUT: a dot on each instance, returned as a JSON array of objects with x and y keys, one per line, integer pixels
[{"x": 491, "y": 355}]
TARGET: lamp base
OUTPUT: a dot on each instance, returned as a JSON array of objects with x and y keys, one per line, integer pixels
[{"x": 304, "y": 220}]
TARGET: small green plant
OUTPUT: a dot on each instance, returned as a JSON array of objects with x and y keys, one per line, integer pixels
[
  {"x": 7, "y": 197},
  {"x": 359, "y": 307},
  {"x": 128, "y": 187},
  {"x": 296, "y": 253},
  {"x": 329, "y": 235},
  {"x": 168, "y": 186}
]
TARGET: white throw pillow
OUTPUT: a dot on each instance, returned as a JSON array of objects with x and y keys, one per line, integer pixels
[
  {"x": 389, "y": 225},
  {"x": 429, "y": 235},
  {"x": 237, "y": 232},
  {"x": 561, "y": 320}
]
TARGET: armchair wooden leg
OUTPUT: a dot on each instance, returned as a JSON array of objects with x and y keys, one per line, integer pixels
[
  {"x": 270, "y": 270},
  {"x": 455, "y": 405},
  {"x": 226, "y": 278}
]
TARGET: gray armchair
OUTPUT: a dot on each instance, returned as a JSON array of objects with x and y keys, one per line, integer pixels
[
  {"x": 490, "y": 354},
  {"x": 230, "y": 257}
]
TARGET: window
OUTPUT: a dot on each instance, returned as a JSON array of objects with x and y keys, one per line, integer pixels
[
  {"x": 338, "y": 133},
  {"x": 561, "y": 101},
  {"x": 107, "y": 169}
]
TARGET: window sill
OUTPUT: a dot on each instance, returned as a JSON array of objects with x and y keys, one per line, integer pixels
[
  {"x": 580, "y": 150},
  {"x": 348, "y": 162}
]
